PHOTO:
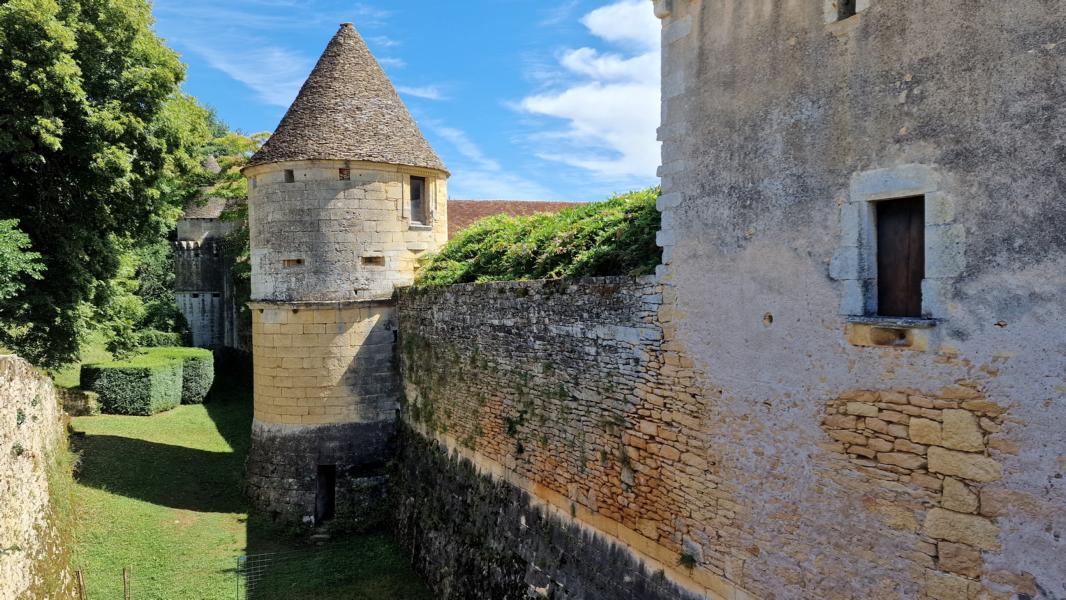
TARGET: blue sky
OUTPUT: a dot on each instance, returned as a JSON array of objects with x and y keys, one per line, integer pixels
[{"x": 522, "y": 99}]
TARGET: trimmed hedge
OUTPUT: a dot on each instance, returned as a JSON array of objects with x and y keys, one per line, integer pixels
[
  {"x": 153, "y": 338},
  {"x": 198, "y": 371},
  {"x": 143, "y": 385}
]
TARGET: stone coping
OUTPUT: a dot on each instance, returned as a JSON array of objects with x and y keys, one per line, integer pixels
[
  {"x": 895, "y": 322},
  {"x": 319, "y": 304}
]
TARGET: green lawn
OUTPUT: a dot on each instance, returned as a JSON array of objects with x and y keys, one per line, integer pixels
[{"x": 162, "y": 495}]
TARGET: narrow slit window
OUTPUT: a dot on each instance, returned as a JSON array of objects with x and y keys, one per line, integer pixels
[
  {"x": 289, "y": 263},
  {"x": 374, "y": 261},
  {"x": 326, "y": 494},
  {"x": 846, "y": 9},
  {"x": 290, "y": 176},
  {"x": 900, "y": 256},
  {"x": 418, "y": 200},
  {"x": 344, "y": 174}
]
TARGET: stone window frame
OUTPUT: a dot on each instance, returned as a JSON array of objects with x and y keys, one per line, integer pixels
[
  {"x": 429, "y": 192},
  {"x": 832, "y": 10},
  {"x": 855, "y": 261}
]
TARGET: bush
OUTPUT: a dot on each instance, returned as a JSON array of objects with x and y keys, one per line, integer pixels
[
  {"x": 153, "y": 338},
  {"x": 143, "y": 385},
  {"x": 198, "y": 370},
  {"x": 614, "y": 237}
]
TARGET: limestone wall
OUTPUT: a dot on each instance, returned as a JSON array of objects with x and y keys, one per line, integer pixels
[
  {"x": 32, "y": 559},
  {"x": 322, "y": 364},
  {"x": 326, "y": 393},
  {"x": 322, "y": 238},
  {"x": 860, "y": 465},
  {"x": 574, "y": 398}
]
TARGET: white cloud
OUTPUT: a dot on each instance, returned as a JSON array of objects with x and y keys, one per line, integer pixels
[
  {"x": 426, "y": 92},
  {"x": 481, "y": 177},
  {"x": 609, "y": 101},
  {"x": 274, "y": 74},
  {"x": 396, "y": 63}
]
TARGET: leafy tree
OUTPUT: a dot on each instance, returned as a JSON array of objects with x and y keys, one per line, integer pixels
[
  {"x": 98, "y": 149},
  {"x": 17, "y": 263}
]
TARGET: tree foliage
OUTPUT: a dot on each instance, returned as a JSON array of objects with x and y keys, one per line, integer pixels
[
  {"x": 614, "y": 237},
  {"x": 97, "y": 145},
  {"x": 17, "y": 262}
]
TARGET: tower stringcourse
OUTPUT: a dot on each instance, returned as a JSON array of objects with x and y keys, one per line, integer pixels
[{"x": 343, "y": 199}]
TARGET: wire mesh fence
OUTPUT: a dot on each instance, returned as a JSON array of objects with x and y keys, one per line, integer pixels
[{"x": 302, "y": 573}]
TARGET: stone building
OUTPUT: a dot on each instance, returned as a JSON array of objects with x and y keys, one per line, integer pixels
[
  {"x": 203, "y": 286},
  {"x": 864, "y": 254},
  {"x": 343, "y": 199}
]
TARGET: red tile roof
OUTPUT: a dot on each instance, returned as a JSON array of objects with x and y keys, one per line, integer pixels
[{"x": 463, "y": 213}]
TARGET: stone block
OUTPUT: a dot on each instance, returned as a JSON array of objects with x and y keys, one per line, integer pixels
[
  {"x": 975, "y": 467},
  {"x": 961, "y": 431},
  {"x": 979, "y": 532},
  {"x": 958, "y": 497},
  {"x": 861, "y": 409},
  {"x": 901, "y": 459},
  {"x": 959, "y": 559},
  {"x": 925, "y": 431}
]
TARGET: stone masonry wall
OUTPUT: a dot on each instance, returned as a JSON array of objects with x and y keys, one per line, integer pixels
[
  {"x": 323, "y": 238},
  {"x": 572, "y": 394},
  {"x": 32, "y": 558},
  {"x": 871, "y": 459}
]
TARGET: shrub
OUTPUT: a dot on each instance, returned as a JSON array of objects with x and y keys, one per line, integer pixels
[
  {"x": 614, "y": 237},
  {"x": 153, "y": 338},
  {"x": 198, "y": 370},
  {"x": 142, "y": 385}
]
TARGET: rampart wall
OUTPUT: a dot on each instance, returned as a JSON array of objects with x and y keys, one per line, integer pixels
[{"x": 32, "y": 556}]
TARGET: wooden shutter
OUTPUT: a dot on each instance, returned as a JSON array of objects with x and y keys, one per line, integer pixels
[{"x": 900, "y": 257}]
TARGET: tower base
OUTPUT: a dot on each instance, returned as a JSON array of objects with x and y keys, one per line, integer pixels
[{"x": 321, "y": 475}]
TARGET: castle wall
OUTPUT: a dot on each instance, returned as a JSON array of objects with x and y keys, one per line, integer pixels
[
  {"x": 556, "y": 444},
  {"x": 201, "y": 284},
  {"x": 834, "y": 447},
  {"x": 321, "y": 238},
  {"x": 32, "y": 557}
]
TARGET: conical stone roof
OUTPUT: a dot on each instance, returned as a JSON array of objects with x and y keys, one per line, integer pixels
[{"x": 348, "y": 110}]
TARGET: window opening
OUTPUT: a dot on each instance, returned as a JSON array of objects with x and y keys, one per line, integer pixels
[
  {"x": 846, "y": 9},
  {"x": 290, "y": 177},
  {"x": 900, "y": 256},
  {"x": 326, "y": 495},
  {"x": 418, "y": 200},
  {"x": 344, "y": 174},
  {"x": 374, "y": 261},
  {"x": 288, "y": 263}
]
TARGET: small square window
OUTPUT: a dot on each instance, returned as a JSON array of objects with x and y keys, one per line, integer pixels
[
  {"x": 374, "y": 261},
  {"x": 344, "y": 174},
  {"x": 290, "y": 176},
  {"x": 846, "y": 9}
]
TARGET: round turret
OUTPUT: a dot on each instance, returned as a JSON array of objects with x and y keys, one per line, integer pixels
[{"x": 343, "y": 199}]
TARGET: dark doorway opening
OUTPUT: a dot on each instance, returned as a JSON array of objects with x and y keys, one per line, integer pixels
[{"x": 326, "y": 496}]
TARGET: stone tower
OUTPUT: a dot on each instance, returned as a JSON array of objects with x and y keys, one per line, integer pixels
[{"x": 343, "y": 199}]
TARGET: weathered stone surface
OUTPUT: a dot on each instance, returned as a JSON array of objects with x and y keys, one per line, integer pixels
[
  {"x": 973, "y": 530},
  {"x": 958, "y": 497},
  {"x": 959, "y": 559},
  {"x": 476, "y": 538},
  {"x": 961, "y": 431},
  {"x": 861, "y": 409},
  {"x": 925, "y": 431},
  {"x": 33, "y": 561},
  {"x": 901, "y": 459},
  {"x": 975, "y": 467}
]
